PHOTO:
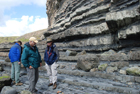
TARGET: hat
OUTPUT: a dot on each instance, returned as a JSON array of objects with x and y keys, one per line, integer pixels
[
  {"x": 49, "y": 40},
  {"x": 33, "y": 39}
]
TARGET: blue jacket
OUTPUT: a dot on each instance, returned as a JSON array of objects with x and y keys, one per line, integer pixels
[
  {"x": 15, "y": 53},
  {"x": 51, "y": 55},
  {"x": 30, "y": 56}
]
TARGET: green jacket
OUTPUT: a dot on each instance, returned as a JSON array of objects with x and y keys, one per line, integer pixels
[{"x": 30, "y": 56}]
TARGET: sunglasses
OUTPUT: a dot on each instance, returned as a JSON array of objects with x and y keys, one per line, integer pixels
[{"x": 49, "y": 41}]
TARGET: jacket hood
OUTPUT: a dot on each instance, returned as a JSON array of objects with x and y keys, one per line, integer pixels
[
  {"x": 53, "y": 46},
  {"x": 17, "y": 44},
  {"x": 28, "y": 45}
]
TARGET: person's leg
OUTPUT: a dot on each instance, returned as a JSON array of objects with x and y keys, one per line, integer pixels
[
  {"x": 13, "y": 72},
  {"x": 31, "y": 77},
  {"x": 28, "y": 75},
  {"x": 49, "y": 72},
  {"x": 54, "y": 75},
  {"x": 36, "y": 75},
  {"x": 54, "y": 72},
  {"x": 17, "y": 71}
]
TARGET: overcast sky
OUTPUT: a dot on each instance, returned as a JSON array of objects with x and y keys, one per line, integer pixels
[{"x": 18, "y": 17}]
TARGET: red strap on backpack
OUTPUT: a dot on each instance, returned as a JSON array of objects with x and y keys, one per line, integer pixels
[{"x": 49, "y": 54}]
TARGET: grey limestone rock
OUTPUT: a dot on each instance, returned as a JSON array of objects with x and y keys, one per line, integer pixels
[
  {"x": 87, "y": 62},
  {"x": 8, "y": 90}
]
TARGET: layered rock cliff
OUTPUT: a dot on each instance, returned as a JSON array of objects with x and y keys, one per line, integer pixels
[
  {"x": 94, "y": 25},
  {"x": 105, "y": 32}
]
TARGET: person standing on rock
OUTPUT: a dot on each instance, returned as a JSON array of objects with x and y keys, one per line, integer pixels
[
  {"x": 15, "y": 57},
  {"x": 31, "y": 59},
  {"x": 51, "y": 57}
]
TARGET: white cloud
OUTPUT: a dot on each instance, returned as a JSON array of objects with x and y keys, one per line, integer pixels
[
  {"x": 31, "y": 18},
  {"x": 25, "y": 25}
]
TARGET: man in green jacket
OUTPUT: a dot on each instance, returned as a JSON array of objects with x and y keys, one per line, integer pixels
[{"x": 31, "y": 59}]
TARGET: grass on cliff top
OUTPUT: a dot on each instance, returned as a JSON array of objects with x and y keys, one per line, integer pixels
[
  {"x": 8, "y": 39},
  {"x": 23, "y": 38},
  {"x": 2, "y": 77},
  {"x": 37, "y": 34}
]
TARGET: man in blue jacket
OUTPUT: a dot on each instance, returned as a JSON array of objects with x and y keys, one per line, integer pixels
[
  {"x": 15, "y": 55},
  {"x": 31, "y": 59},
  {"x": 51, "y": 57}
]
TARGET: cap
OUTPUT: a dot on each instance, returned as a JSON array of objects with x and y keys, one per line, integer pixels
[
  {"x": 49, "y": 40},
  {"x": 33, "y": 39}
]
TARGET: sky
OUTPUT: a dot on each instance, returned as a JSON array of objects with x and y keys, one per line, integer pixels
[{"x": 18, "y": 17}]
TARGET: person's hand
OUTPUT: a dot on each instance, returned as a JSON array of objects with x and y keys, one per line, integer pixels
[
  {"x": 30, "y": 67},
  {"x": 19, "y": 63},
  {"x": 40, "y": 64}
]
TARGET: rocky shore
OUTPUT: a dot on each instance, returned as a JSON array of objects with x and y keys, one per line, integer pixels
[
  {"x": 99, "y": 47},
  {"x": 83, "y": 72}
]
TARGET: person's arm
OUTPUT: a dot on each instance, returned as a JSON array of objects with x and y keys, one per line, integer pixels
[
  {"x": 24, "y": 58},
  {"x": 10, "y": 54},
  {"x": 40, "y": 57},
  {"x": 18, "y": 54},
  {"x": 40, "y": 61},
  {"x": 57, "y": 53}
]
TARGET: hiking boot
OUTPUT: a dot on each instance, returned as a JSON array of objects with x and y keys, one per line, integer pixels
[
  {"x": 36, "y": 90},
  {"x": 19, "y": 84},
  {"x": 54, "y": 85},
  {"x": 50, "y": 84},
  {"x": 13, "y": 82}
]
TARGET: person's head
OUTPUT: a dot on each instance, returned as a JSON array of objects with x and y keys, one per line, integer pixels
[
  {"x": 49, "y": 42},
  {"x": 33, "y": 41},
  {"x": 19, "y": 42}
]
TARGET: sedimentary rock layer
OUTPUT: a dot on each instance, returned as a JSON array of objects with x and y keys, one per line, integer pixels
[{"x": 104, "y": 24}]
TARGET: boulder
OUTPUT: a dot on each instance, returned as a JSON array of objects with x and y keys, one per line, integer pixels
[
  {"x": 7, "y": 59},
  {"x": 111, "y": 69},
  {"x": 102, "y": 67},
  {"x": 122, "y": 72},
  {"x": 5, "y": 80},
  {"x": 135, "y": 55},
  {"x": 71, "y": 53},
  {"x": 133, "y": 71},
  {"x": 8, "y": 90},
  {"x": 119, "y": 65},
  {"x": 81, "y": 53},
  {"x": 25, "y": 92},
  {"x": 110, "y": 52},
  {"x": 87, "y": 62},
  {"x": 93, "y": 70}
]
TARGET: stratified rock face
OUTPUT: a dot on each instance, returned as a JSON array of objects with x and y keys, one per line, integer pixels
[{"x": 94, "y": 25}]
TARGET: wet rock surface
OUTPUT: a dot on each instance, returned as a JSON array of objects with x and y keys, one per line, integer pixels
[
  {"x": 78, "y": 81},
  {"x": 8, "y": 90}
]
